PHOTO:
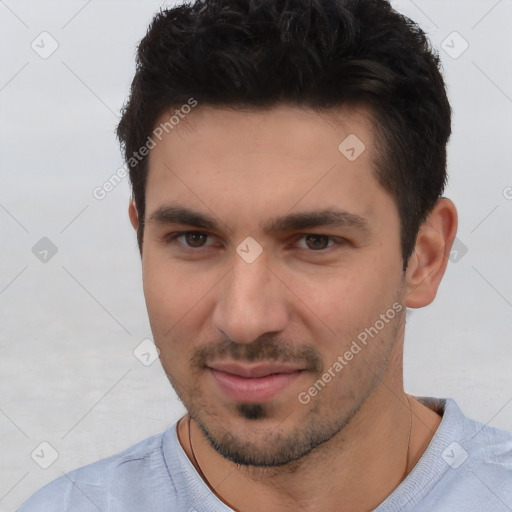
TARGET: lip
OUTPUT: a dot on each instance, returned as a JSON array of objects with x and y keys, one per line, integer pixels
[
  {"x": 258, "y": 370},
  {"x": 253, "y": 384}
]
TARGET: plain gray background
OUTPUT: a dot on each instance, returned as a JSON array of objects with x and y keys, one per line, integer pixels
[{"x": 69, "y": 326}]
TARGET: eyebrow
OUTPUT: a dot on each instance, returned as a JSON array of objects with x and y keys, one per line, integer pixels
[{"x": 292, "y": 222}]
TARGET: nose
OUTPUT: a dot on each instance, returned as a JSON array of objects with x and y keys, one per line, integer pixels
[{"x": 252, "y": 301}]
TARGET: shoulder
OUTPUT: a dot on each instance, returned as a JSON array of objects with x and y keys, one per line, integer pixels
[
  {"x": 481, "y": 442},
  {"x": 484, "y": 445},
  {"x": 466, "y": 467},
  {"x": 118, "y": 482},
  {"x": 489, "y": 451},
  {"x": 476, "y": 462}
]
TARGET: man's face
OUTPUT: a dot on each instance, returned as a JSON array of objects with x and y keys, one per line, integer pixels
[{"x": 225, "y": 316}]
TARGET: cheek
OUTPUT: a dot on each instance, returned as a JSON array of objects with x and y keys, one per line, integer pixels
[
  {"x": 340, "y": 300},
  {"x": 345, "y": 306},
  {"x": 165, "y": 294},
  {"x": 168, "y": 301},
  {"x": 177, "y": 297}
]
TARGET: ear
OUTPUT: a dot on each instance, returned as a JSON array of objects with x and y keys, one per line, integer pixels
[
  {"x": 133, "y": 214},
  {"x": 428, "y": 262}
]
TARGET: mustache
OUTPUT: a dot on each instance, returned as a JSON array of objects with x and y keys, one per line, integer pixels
[{"x": 265, "y": 348}]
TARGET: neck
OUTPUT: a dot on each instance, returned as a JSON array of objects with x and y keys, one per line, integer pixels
[{"x": 356, "y": 470}]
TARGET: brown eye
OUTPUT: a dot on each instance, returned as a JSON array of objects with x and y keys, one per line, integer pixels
[
  {"x": 317, "y": 242},
  {"x": 195, "y": 239}
]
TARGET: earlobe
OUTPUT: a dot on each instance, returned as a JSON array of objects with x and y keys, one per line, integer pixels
[
  {"x": 428, "y": 263},
  {"x": 133, "y": 214}
]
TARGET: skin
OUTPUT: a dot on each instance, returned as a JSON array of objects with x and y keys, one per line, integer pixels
[{"x": 307, "y": 298}]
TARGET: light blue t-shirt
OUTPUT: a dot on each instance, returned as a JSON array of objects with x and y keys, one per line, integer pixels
[{"x": 467, "y": 467}]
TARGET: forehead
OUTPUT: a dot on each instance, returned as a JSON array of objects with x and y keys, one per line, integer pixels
[
  {"x": 302, "y": 132},
  {"x": 270, "y": 161}
]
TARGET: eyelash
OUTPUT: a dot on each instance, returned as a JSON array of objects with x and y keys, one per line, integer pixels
[{"x": 168, "y": 239}]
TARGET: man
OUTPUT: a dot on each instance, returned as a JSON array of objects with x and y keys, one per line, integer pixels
[{"x": 288, "y": 161}]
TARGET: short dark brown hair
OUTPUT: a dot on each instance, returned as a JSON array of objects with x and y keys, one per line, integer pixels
[{"x": 310, "y": 53}]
